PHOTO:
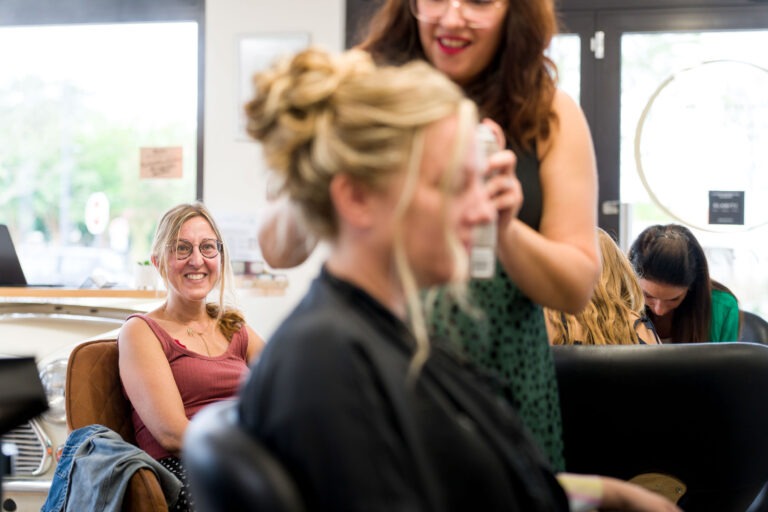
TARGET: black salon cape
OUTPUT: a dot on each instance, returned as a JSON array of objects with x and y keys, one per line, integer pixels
[{"x": 329, "y": 397}]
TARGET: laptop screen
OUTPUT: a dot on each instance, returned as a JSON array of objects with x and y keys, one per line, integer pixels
[
  {"x": 11, "y": 273},
  {"x": 22, "y": 396}
]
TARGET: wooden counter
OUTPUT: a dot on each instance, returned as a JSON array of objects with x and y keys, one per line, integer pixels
[
  {"x": 61, "y": 293},
  {"x": 267, "y": 284},
  {"x": 252, "y": 284}
]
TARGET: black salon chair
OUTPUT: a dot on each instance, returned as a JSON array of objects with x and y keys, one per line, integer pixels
[
  {"x": 22, "y": 397},
  {"x": 753, "y": 328},
  {"x": 229, "y": 470},
  {"x": 692, "y": 412}
]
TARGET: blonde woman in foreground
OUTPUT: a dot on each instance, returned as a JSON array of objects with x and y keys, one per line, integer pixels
[
  {"x": 364, "y": 412},
  {"x": 616, "y": 313}
]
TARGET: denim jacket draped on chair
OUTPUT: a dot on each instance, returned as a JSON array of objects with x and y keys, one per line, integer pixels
[{"x": 95, "y": 467}]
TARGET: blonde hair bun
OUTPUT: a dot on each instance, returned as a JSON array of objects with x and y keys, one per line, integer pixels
[{"x": 318, "y": 114}]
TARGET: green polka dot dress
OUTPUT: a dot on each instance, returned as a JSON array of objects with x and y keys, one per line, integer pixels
[{"x": 506, "y": 339}]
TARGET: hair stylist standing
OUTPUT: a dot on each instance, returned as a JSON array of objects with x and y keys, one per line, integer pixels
[{"x": 548, "y": 252}]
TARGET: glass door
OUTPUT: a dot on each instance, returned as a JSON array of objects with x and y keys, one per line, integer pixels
[
  {"x": 692, "y": 135},
  {"x": 565, "y": 51}
]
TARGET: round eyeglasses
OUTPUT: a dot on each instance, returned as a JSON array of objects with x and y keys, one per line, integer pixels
[
  {"x": 209, "y": 248},
  {"x": 477, "y": 13}
]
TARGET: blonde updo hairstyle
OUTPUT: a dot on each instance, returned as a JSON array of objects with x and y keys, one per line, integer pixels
[
  {"x": 229, "y": 319},
  {"x": 318, "y": 115}
]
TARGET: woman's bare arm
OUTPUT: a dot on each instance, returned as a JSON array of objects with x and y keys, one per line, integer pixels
[
  {"x": 559, "y": 265},
  {"x": 150, "y": 385}
]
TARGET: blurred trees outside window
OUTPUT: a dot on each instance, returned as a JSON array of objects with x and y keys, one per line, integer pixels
[{"x": 77, "y": 104}]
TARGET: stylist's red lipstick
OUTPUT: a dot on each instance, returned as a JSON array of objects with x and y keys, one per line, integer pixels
[{"x": 452, "y": 45}]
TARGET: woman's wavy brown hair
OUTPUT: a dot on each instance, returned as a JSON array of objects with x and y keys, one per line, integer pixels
[
  {"x": 617, "y": 301},
  {"x": 517, "y": 87}
]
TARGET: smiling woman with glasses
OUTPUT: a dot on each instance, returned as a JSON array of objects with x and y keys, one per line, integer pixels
[{"x": 188, "y": 352}]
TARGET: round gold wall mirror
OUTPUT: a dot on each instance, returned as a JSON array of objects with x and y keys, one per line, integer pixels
[{"x": 705, "y": 130}]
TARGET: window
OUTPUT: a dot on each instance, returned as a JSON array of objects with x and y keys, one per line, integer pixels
[
  {"x": 565, "y": 52},
  {"x": 78, "y": 103},
  {"x": 678, "y": 119}
]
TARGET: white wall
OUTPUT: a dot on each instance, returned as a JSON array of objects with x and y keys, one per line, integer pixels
[{"x": 234, "y": 173}]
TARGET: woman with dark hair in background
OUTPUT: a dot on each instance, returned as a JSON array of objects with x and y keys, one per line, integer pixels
[{"x": 684, "y": 303}]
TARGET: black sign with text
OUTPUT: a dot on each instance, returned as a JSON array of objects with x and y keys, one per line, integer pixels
[{"x": 726, "y": 207}]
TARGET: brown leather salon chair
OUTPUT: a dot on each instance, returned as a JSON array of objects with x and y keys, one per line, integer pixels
[
  {"x": 94, "y": 395},
  {"x": 689, "y": 419}
]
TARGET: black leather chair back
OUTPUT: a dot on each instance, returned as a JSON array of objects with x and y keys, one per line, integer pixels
[
  {"x": 753, "y": 328},
  {"x": 693, "y": 411},
  {"x": 231, "y": 471}
]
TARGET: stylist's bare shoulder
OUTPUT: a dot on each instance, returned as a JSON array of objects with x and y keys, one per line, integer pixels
[{"x": 569, "y": 131}]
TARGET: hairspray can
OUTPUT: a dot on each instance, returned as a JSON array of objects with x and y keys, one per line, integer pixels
[{"x": 483, "y": 253}]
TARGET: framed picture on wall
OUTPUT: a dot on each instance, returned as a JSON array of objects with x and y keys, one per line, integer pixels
[{"x": 256, "y": 53}]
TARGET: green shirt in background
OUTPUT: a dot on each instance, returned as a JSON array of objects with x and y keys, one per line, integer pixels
[{"x": 724, "y": 325}]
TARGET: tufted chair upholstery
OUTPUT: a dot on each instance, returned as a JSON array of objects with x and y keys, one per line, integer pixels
[{"x": 94, "y": 395}]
